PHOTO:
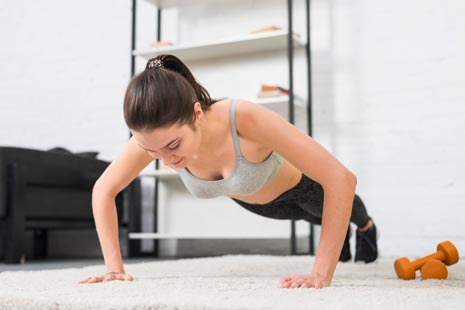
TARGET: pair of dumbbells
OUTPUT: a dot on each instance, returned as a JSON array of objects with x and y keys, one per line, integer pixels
[{"x": 432, "y": 266}]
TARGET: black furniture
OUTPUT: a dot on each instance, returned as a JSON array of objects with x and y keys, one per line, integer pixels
[{"x": 43, "y": 190}]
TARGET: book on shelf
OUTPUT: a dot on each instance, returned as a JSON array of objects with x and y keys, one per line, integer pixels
[
  {"x": 266, "y": 29},
  {"x": 161, "y": 44},
  {"x": 267, "y": 91}
]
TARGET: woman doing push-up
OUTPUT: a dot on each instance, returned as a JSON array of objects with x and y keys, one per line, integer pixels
[{"x": 232, "y": 148}]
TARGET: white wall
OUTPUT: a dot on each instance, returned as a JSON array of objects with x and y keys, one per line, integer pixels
[
  {"x": 399, "y": 116},
  {"x": 63, "y": 69},
  {"x": 388, "y": 97}
]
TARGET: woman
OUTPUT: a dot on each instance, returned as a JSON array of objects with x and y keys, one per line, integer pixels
[{"x": 238, "y": 149}]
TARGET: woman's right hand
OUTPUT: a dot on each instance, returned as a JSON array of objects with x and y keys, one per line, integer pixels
[
  {"x": 116, "y": 177},
  {"x": 110, "y": 276}
]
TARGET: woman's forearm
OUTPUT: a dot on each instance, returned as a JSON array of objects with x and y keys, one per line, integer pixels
[
  {"x": 106, "y": 222},
  {"x": 336, "y": 216}
]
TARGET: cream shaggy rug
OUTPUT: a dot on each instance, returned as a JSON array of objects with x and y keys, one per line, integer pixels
[{"x": 230, "y": 282}]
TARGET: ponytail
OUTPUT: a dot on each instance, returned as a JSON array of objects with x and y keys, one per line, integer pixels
[
  {"x": 163, "y": 94},
  {"x": 174, "y": 64}
]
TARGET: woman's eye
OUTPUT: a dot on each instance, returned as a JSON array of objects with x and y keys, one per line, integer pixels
[
  {"x": 173, "y": 147},
  {"x": 152, "y": 153}
]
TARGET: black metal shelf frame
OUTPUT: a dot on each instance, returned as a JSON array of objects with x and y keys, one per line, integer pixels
[{"x": 290, "y": 54}]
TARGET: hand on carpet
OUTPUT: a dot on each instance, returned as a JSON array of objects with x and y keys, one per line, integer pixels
[
  {"x": 111, "y": 276},
  {"x": 304, "y": 281}
]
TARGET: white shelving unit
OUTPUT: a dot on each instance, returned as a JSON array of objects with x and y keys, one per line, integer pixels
[
  {"x": 221, "y": 48},
  {"x": 251, "y": 43}
]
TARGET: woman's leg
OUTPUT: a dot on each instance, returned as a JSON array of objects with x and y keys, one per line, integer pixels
[
  {"x": 279, "y": 211},
  {"x": 305, "y": 202},
  {"x": 312, "y": 197},
  {"x": 359, "y": 213}
]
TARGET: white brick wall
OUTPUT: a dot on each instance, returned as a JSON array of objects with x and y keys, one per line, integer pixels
[
  {"x": 399, "y": 117},
  {"x": 388, "y": 97},
  {"x": 64, "y": 66}
]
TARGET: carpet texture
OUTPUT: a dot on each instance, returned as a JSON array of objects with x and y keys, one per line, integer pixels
[{"x": 230, "y": 282}]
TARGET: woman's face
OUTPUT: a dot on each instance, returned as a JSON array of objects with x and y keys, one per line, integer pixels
[{"x": 175, "y": 145}]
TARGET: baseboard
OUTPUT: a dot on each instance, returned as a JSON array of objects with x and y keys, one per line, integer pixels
[{"x": 185, "y": 248}]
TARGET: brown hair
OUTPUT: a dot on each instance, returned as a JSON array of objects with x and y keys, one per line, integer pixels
[{"x": 163, "y": 94}]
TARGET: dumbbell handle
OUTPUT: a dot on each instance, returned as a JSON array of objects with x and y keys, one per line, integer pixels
[{"x": 421, "y": 261}]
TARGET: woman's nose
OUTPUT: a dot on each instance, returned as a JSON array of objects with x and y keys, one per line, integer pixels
[{"x": 168, "y": 158}]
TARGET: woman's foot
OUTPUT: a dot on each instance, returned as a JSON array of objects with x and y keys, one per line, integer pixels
[{"x": 366, "y": 243}]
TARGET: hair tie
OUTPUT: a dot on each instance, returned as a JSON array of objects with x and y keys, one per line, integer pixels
[{"x": 154, "y": 63}]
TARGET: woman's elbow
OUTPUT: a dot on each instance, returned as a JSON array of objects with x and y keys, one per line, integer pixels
[
  {"x": 100, "y": 192},
  {"x": 348, "y": 181},
  {"x": 98, "y": 187},
  {"x": 351, "y": 179},
  {"x": 341, "y": 180}
]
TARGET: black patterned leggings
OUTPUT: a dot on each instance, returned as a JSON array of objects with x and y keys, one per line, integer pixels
[{"x": 304, "y": 202}]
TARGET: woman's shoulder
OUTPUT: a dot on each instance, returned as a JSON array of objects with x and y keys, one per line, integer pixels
[
  {"x": 242, "y": 106},
  {"x": 251, "y": 117},
  {"x": 246, "y": 112}
]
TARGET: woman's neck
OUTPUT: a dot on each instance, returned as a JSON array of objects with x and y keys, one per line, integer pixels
[{"x": 211, "y": 131}]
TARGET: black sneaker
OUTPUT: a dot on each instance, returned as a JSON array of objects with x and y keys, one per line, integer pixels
[
  {"x": 345, "y": 253},
  {"x": 366, "y": 245}
]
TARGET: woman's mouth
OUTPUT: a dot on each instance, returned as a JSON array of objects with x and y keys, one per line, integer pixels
[{"x": 177, "y": 162}]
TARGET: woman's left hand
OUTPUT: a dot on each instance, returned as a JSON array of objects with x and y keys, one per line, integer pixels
[{"x": 304, "y": 281}]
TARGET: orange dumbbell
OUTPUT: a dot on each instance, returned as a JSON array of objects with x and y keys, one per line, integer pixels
[
  {"x": 434, "y": 269},
  {"x": 446, "y": 253}
]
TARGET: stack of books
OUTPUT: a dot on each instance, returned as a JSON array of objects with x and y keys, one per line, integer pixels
[{"x": 268, "y": 91}]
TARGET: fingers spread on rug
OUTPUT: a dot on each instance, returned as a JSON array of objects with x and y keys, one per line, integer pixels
[
  {"x": 117, "y": 277},
  {"x": 302, "y": 281},
  {"x": 106, "y": 278},
  {"x": 91, "y": 280}
]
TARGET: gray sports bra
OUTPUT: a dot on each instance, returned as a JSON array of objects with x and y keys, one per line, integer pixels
[{"x": 246, "y": 178}]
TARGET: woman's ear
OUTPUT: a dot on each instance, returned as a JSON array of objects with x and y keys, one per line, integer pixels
[{"x": 198, "y": 112}]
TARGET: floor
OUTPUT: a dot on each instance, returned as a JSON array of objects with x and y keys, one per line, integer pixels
[
  {"x": 226, "y": 282},
  {"x": 63, "y": 263}
]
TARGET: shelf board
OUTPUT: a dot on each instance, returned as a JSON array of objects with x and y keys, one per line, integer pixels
[
  {"x": 162, "y": 174},
  {"x": 165, "y": 4},
  {"x": 267, "y": 41},
  {"x": 278, "y": 100}
]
